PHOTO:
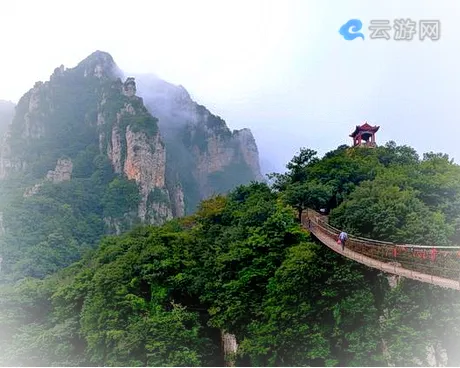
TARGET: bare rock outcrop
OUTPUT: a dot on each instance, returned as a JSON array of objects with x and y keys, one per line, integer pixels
[
  {"x": 6, "y": 162},
  {"x": 249, "y": 150},
  {"x": 62, "y": 172},
  {"x": 29, "y": 192},
  {"x": 129, "y": 87},
  {"x": 177, "y": 200},
  {"x": 219, "y": 151},
  {"x": 212, "y": 149},
  {"x": 99, "y": 64},
  {"x": 31, "y": 123},
  {"x": 34, "y": 126},
  {"x": 394, "y": 280},
  {"x": 138, "y": 154},
  {"x": 146, "y": 163}
]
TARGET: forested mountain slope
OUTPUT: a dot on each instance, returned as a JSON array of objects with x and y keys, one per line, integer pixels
[
  {"x": 161, "y": 295},
  {"x": 84, "y": 157}
]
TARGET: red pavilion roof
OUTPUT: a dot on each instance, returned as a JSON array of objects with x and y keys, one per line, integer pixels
[{"x": 364, "y": 128}]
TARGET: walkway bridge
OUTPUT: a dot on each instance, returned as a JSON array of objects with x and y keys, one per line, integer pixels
[{"x": 430, "y": 264}]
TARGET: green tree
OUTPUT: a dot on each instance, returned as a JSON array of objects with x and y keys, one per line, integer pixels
[
  {"x": 297, "y": 169},
  {"x": 307, "y": 194}
]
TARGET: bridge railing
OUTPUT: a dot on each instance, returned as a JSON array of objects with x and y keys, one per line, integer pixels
[{"x": 442, "y": 263}]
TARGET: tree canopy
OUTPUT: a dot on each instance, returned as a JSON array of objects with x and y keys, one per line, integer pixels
[{"x": 161, "y": 296}]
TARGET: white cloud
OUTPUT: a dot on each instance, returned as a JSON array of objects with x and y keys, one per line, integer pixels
[{"x": 279, "y": 67}]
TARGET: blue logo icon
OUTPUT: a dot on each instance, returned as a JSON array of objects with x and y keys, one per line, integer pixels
[{"x": 349, "y": 28}]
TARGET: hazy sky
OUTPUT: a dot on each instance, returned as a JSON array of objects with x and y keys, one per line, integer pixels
[{"x": 280, "y": 68}]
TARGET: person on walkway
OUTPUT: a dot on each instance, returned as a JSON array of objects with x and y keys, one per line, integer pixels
[{"x": 343, "y": 237}]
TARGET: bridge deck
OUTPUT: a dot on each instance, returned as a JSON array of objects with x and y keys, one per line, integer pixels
[{"x": 331, "y": 242}]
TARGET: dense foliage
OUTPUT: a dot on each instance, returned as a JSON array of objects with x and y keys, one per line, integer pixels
[
  {"x": 49, "y": 226},
  {"x": 161, "y": 296},
  {"x": 387, "y": 193},
  {"x": 56, "y": 226},
  {"x": 83, "y": 114}
]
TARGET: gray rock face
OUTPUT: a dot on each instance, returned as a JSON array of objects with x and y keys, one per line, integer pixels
[
  {"x": 212, "y": 148},
  {"x": 129, "y": 87},
  {"x": 62, "y": 172},
  {"x": 140, "y": 157},
  {"x": 29, "y": 192},
  {"x": 146, "y": 163},
  {"x": 249, "y": 149},
  {"x": 34, "y": 126},
  {"x": 177, "y": 201},
  {"x": 393, "y": 280},
  {"x": 136, "y": 150},
  {"x": 6, "y": 115},
  {"x": 99, "y": 64},
  {"x": 8, "y": 162},
  {"x": 436, "y": 356},
  {"x": 5, "y": 157}
]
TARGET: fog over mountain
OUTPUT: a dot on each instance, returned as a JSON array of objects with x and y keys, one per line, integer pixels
[
  {"x": 136, "y": 228},
  {"x": 280, "y": 68},
  {"x": 6, "y": 114}
]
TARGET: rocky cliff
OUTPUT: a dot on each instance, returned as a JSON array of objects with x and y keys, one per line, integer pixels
[
  {"x": 6, "y": 115},
  {"x": 132, "y": 141},
  {"x": 203, "y": 153},
  {"x": 193, "y": 154},
  {"x": 83, "y": 156},
  {"x": 81, "y": 106}
]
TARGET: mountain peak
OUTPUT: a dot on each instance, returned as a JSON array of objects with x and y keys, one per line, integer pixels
[
  {"x": 99, "y": 64},
  {"x": 100, "y": 56}
]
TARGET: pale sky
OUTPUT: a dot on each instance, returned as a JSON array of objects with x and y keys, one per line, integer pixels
[{"x": 280, "y": 68}]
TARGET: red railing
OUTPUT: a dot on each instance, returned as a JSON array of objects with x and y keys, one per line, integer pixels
[{"x": 434, "y": 261}]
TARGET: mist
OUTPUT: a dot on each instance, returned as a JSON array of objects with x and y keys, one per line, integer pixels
[
  {"x": 168, "y": 102},
  {"x": 280, "y": 68}
]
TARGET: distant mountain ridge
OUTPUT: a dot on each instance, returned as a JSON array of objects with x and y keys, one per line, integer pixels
[
  {"x": 218, "y": 159},
  {"x": 120, "y": 158},
  {"x": 208, "y": 147}
]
